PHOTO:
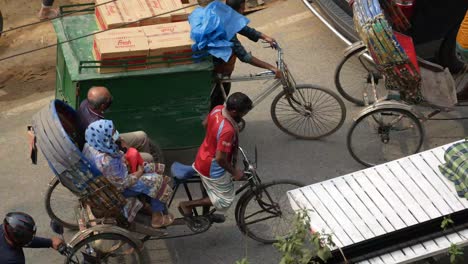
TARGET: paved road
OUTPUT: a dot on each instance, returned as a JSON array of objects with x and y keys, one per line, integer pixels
[{"x": 312, "y": 53}]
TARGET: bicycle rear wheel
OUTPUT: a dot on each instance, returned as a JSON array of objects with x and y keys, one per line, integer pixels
[
  {"x": 266, "y": 214},
  {"x": 60, "y": 204},
  {"x": 383, "y": 135},
  {"x": 310, "y": 112},
  {"x": 353, "y": 78},
  {"x": 105, "y": 248}
]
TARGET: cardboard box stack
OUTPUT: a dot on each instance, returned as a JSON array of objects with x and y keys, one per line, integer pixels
[
  {"x": 107, "y": 15},
  {"x": 168, "y": 39},
  {"x": 137, "y": 44},
  {"x": 166, "y": 34},
  {"x": 121, "y": 44},
  {"x": 120, "y": 12}
]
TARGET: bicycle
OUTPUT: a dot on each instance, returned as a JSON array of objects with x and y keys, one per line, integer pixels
[
  {"x": 59, "y": 197},
  {"x": 304, "y": 111}
]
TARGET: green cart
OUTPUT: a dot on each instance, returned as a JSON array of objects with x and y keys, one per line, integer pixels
[{"x": 167, "y": 103}]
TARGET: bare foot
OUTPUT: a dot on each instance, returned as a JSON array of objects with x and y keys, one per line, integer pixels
[
  {"x": 48, "y": 13},
  {"x": 184, "y": 210}
]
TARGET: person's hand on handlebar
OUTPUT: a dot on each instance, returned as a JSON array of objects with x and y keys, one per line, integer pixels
[
  {"x": 270, "y": 40},
  {"x": 56, "y": 242},
  {"x": 278, "y": 73},
  {"x": 261, "y": 64}
]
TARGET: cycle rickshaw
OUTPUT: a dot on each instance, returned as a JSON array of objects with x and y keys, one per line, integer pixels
[
  {"x": 382, "y": 73},
  {"x": 262, "y": 211}
]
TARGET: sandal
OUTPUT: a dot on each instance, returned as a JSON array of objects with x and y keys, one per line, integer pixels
[{"x": 166, "y": 221}]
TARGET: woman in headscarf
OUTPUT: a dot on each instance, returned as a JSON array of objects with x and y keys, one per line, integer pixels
[{"x": 101, "y": 148}]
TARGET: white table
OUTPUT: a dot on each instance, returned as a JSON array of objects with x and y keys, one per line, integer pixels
[{"x": 388, "y": 197}]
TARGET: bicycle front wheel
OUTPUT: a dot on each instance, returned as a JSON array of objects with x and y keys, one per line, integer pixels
[
  {"x": 383, "y": 135},
  {"x": 105, "y": 248},
  {"x": 353, "y": 78},
  {"x": 266, "y": 214},
  {"x": 310, "y": 112},
  {"x": 60, "y": 204}
]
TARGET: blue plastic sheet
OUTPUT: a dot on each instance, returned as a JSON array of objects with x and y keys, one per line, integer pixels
[{"x": 213, "y": 27}]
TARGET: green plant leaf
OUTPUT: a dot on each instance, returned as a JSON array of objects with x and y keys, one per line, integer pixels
[
  {"x": 455, "y": 253},
  {"x": 302, "y": 245},
  {"x": 242, "y": 261},
  {"x": 446, "y": 222},
  {"x": 324, "y": 253},
  {"x": 452, "y": 259}
]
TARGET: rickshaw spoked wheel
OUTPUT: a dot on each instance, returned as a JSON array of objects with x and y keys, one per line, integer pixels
[
  {"x": 385, "y": 134},
  {"x": 108, "y": 247},
  {"x": 58, "y": 204}
]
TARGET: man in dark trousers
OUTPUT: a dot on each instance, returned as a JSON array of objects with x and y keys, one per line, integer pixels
[
  {"x": 17, "y": 231},
  {"x": 239, "y": 52}
]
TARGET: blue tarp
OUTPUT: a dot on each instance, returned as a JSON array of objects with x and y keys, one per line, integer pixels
[{"x": 213, "y": 27}]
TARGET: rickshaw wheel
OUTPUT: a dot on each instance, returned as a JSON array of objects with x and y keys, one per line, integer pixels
[
  {"x": 353, "y": 78},
  {"x": 105, "y": 248},
  {"x": 266, "y": 214},
  {"x": 383, "y": 135},
  {"x": 58, "y": 204},
  {"x": 310, "y": 112}
]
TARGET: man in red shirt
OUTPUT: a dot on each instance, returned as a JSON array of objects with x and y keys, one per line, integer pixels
[{"x": 217, "y": 154}]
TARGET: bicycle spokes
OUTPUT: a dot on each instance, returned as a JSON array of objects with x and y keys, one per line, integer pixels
[
  {"x": 266, "y": 214},
  {"x": 383, "y": 135}
]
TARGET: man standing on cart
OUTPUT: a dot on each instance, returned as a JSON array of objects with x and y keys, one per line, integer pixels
[
  {"x": 216, "y": 157},
  {"x": 225, "y": 66}
]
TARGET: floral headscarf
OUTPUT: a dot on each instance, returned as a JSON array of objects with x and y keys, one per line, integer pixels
[{"x": 99, "y": 136}]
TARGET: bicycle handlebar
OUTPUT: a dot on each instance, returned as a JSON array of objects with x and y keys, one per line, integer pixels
[
  {"x": 277, "y": 47},
  {"x": 249, "y": 168},
  {"x": 63, "y": 249}
]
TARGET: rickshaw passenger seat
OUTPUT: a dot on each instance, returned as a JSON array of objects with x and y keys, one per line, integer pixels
[{"x": 182, "y": 172}]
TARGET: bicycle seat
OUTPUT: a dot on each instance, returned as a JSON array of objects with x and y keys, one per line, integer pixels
[{"x": 182, "y": 171}]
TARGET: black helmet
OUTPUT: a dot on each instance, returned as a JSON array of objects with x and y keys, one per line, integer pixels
[{"x": 20, "y": 228}]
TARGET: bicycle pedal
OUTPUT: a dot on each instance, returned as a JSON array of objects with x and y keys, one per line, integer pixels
[
  {"x": 217, "y": 218},
  {"x": 198, "y": 224}
]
